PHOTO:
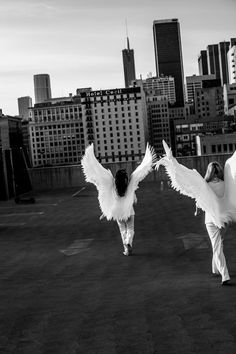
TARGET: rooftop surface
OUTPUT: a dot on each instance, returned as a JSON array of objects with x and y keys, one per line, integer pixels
[{"x": 65, "y": 286}]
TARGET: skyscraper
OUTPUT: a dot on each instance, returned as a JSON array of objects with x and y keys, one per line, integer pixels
[
  {"x": 223, "y": 48},
  {"x": 159, "y": 86},
  {"x": 213, "y": 60},
  {"x": 24, "y": 105},
  {"x": 232, "y": 61},
  {"x": 202, "y": 63},
  {"x": 42, "y": 88},
  {"x": 195, "y": 82},
  {"x": 168, "y": 54},
  {"x": 128, "y": 64}
]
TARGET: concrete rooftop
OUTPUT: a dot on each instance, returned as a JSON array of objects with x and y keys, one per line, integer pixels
[{"x": 66, "y": 288}]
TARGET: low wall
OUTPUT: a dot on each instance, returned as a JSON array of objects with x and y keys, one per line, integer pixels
[{"x": 48, "y": 178}]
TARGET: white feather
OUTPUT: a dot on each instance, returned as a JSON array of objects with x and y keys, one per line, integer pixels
[
  {"x": 190, "y": 183},
  {"x": 229, "y": 199},
  {"x": 112, "y": 205},
  {"x": 143, "y": 169}
]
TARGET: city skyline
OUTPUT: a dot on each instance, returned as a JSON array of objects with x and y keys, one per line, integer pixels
[{"x": 79, "y": 44}]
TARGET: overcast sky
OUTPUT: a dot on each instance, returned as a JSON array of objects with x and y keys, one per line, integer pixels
[{"x": 79, "y": 42}]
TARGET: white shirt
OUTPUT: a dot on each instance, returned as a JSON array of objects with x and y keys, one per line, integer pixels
[{"x": 218, "y": 187}]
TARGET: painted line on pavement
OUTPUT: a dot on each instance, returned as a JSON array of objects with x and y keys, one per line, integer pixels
[
  {"x": 76, "y": 193},
  {"x": 77, "y": 246},
  {"x": 23, "y": 214},
  {"x": 192, "y": 240}
]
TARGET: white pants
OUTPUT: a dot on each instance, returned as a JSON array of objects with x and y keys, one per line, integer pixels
[
  {"x": 218, "y": 258},
  {"x": 127, "y": 230}
]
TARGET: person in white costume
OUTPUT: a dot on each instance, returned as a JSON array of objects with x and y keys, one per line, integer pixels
[
  {"x": 215, "y": 194},
  {"x": 116, "y": 196},
  {"x": 215, "y": 178}
]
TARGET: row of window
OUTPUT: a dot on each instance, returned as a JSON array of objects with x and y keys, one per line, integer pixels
[
  {"x": 53, "y": 111},
  {"x": 115, "y": 109},
  {"x": 45, "y": 119},
  {"x": 58, "y": 126},
  {"x": 221, "y": 148},
  {"x": 115, "y": 116}
]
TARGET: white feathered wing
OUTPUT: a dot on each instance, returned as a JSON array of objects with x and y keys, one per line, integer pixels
[
  {"x": 190, "y": 183},
  {"x": 229, "y": 199},
  {"x": 113, "y": 206},
  {"x": 101, "y": 177}
]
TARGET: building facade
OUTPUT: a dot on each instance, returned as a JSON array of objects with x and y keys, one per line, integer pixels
[
  {"x": 202, "y": 63},
  {"x": 128, "y": 65},
  {"x": 216, "y": 144},
  {"x": 229, "y": 98},
  {"x": 209, "y": 102},
  {"x": 114, "y": 120},
  {"x": 158, "y": 121},
  {"x": 10, "y": 132},
  {"x": 42, "y": 88},
  {"x": 223, "y": 48},
  {"x": 14, "y": 179},
  {"x": 195, "y": 82},
  {"x": 56, "y": 132},
  {"x": 213, "y": 60},
  {"x": 187, "y": 130},
  {"x": 24, "y": 105},
  {"x": 232, "y": 63},
  {"x": 160, "y": 86},
  {"x": 168, "y": 54}
]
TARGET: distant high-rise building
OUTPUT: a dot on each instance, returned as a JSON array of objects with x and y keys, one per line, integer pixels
[
  {"x": 232, "y": 61},
  {"x": 159, "y": 86},
  {"x": 232, "y": 42},
  {"x": 168, "y": 54},
  {"x": 128, "y": 64},
  {"x": 223, "y": 48},
  {"x": 202, "y": 63},
  {"x": 42, "y": 88},
  {"x": 209, "y": 101},
  {"x": 24, "y": 105},
  {"x": 115, "y": 120},
  {"x": 158, "y": 121},
  {"x": 195, "y": 81},
  {"x": 230, "y": 99},
  {"x": 10, "y": 132},
  {"x": 213, "y": 60}
]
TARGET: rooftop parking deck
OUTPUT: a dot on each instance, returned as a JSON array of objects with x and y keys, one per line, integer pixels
[{"x": 65, "y": 286}]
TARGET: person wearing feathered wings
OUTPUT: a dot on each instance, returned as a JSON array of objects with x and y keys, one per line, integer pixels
[
  {"x": 215, "y": 194},
  {"x": 116, "y": 195}
]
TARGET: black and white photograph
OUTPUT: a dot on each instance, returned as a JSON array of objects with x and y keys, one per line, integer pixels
[{"x": 117, "y": 177}]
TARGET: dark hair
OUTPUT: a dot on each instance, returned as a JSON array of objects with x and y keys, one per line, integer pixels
[
  {"x": 214, "y": 169},
  {"x": 121, "y": 182}
]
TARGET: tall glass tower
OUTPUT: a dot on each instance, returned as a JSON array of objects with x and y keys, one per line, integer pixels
[
  {"x": 42, "y": 88},
  {"x": 213, "y": 60},
  {"x": 223, "y": 48},
  {"x": 202, "y": 63},
  {"x": 128, "y": 64},
  {"x": 168, "y": 54}
]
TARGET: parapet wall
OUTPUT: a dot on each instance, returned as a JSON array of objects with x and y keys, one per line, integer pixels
[{"x": 48, "y": 178}]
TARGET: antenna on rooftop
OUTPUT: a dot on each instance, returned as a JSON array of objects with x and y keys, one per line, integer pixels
[{"x": 127, "y": 35}]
